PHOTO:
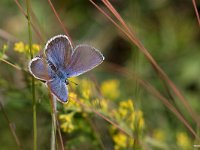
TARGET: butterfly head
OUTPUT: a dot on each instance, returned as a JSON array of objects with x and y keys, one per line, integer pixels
[{"x": 66, "y": 81}]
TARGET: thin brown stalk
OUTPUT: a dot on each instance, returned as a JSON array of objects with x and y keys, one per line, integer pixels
[
  {"x": 60, "y": 135},
  {"x": 11, "y": 64},
  {"x": 20, "y": 8},
  {"x": 58, "y": 18},
  {"x": 33, "y": 26},
  {"x": 157, "y": 68},
  {"x": 11, "y": 127},
  {"x": 196, "y": 11}
]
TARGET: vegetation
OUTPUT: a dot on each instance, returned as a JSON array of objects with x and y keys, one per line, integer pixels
[{"x": 143, "y": 96}]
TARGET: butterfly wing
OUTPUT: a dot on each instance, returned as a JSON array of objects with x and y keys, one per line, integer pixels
[
  {"x": 58, "y": 88},
  {"x": 39, "y": 68},
  {"x": 58, "y": 50},
  {"x": 84, "y": 58}
]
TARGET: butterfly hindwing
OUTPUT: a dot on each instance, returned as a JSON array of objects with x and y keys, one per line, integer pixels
[
  {"x": 58, "y": 88},
  {"x": 40, "y": 69}
]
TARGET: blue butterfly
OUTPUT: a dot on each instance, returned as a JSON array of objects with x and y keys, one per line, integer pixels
[{"x": 61, "y": 61}]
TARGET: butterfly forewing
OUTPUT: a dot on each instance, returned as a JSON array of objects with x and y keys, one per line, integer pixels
[
  {"x": 58, "y": 50},
  {"x": 84, "y": 58}
]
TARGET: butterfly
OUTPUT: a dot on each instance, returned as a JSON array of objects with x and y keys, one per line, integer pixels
[{"x": 61, "y": 61}]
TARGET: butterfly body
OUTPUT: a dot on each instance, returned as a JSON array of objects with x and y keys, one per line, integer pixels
[{"x": 60, "y": 62}]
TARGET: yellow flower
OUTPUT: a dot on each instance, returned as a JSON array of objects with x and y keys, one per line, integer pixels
[
  {"x": 126, "y": 107},
  {"x": 67, "y": 125},
  {"x": 72, "y": 95},
  {"x": 104, "y": 105},
  {"x": 5, "y": 47},
  {"x": 131, "y": 118},
  {"x": 86, "y": 93},
  {"x": 72, "y": 101},
  {"x": 123, "y": 112},
  {"x": 66, "y": 117},
  {"x": 86, "y": 83},
  {"x": 86, "y": 86},
  {"x": 35, "y": 48},
  {"x": 19, "y": 47},
  {"x": 24, "y": 48},
  {"x": 127, "y": 104},
  {"x": 120, "y": 140},
  {"x": 183, "y": 141},
  {"x": 110, "y": 89},
  {"x": 132, "y": 121},
  {"x": 159, "y": 135},
  {"x": 140, "y": 119}
]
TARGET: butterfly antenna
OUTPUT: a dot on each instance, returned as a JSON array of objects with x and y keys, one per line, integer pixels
[{"x": 72, "y": 82}]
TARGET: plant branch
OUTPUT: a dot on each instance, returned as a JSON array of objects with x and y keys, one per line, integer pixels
[{"x": 33, "y": 80}]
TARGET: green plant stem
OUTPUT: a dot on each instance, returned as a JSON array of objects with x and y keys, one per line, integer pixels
[
  {"x": 33, "y": 80},
  {"x": 34, "y": 115},
  {"x": 54, "y": 126}
]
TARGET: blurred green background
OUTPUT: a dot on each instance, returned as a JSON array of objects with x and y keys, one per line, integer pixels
[{"x": 168, "y": 29}]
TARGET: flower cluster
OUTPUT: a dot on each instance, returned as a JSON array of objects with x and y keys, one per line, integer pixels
[
  {"x": 107, "y": 100},
  {"x": 67, "y": 125},
  {"x": 130, "y": 119},
  {"x": 25, "y": 48},
  {"x": 122, "y": 141}
]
